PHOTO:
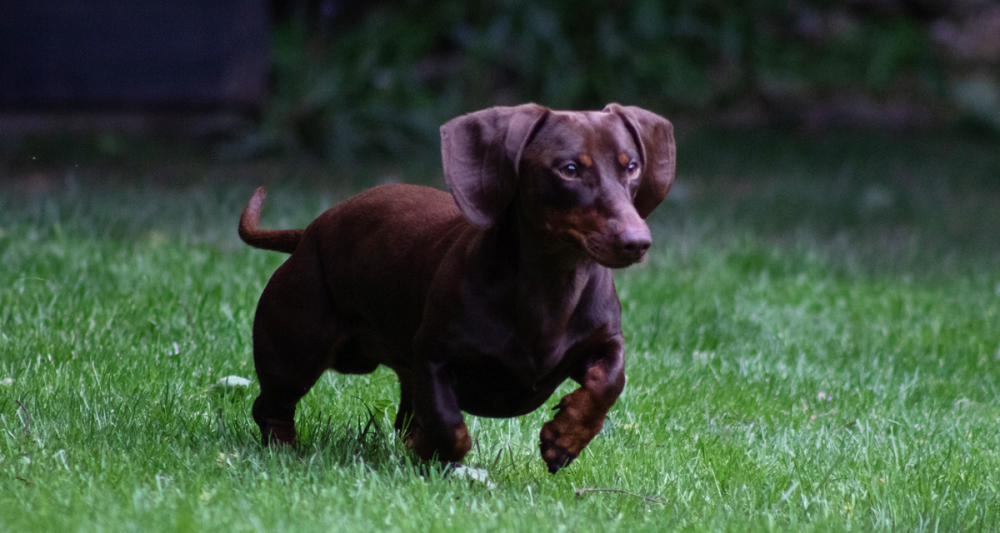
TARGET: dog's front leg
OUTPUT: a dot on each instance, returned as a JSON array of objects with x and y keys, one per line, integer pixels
[
  {"x": 438, "y": 429},
  {"x": 581, "y": 413}
]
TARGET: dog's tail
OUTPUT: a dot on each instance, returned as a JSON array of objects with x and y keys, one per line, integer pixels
[{"x": 278, "y": 240}]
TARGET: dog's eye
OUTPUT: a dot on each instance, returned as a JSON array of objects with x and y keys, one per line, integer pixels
[
  {"x": 569, "y": 170},
  {"x": 633, "y": 169}
]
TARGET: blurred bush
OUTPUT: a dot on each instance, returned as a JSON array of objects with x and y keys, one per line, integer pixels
[{"x": 357, "y": 80}]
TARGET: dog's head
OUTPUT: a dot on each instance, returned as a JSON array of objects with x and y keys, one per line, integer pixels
[{"x": 588, "y": 178}]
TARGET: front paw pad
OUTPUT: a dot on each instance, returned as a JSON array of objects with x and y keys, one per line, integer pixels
[{"x": 554, "y": 454}]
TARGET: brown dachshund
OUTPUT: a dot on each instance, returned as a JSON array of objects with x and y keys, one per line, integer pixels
[{"x": 483, "y": 301}]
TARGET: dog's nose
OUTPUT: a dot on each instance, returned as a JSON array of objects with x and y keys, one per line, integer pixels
[{"x": 635, "y": 241}]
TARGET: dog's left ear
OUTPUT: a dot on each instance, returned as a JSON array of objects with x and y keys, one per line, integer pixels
[
  {"x": 481, "y": 153},
  {"x": 654, "y": 136}
]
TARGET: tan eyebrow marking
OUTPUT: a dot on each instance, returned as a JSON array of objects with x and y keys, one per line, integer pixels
[
  {"x": 623, "y": 159},
  {"x": 586, "y": 160}
]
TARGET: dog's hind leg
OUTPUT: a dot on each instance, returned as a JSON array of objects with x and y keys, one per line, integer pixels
[{"x": 294, "y": 333}]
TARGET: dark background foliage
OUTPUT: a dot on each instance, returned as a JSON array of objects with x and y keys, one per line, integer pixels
[{"x": 363, "y": 79}]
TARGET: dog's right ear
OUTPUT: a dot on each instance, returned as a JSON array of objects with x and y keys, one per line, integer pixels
[{"x": 481, "y": 153}]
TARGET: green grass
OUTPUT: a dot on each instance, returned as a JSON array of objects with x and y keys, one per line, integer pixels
[{"x": 813, "y": 346}]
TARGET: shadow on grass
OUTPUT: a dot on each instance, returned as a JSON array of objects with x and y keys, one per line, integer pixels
[{"x": 366, "y": 439}]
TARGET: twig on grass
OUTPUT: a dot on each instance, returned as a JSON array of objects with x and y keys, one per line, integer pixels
[
  {"x": 26, "y": 418},
  {"x": 654, "y": 499}
]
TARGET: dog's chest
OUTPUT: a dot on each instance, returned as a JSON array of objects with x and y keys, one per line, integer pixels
[
  {"x": 511, "y": 340},
  {"x": 501, "y": 383},
  {"x": 529, "y": 337},
  {"x": 513, "y": 370}
]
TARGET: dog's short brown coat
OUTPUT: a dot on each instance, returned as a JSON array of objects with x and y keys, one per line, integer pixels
[{"x": 483, "y": 301}]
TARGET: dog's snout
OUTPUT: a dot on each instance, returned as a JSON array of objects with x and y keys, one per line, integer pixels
[{"x": 635, "y": 241}]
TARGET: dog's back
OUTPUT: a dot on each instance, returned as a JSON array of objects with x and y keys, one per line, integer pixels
[{"x": 381, "y": 250}]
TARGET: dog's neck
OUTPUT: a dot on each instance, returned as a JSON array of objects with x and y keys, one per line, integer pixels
[
  {"x": 547, "y": 276},
  {"x": 514, "y": 243}
]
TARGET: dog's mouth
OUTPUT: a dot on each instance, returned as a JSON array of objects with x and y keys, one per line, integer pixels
[
  {"x": 621, "y": 260},
  {"x": 601, "y": 253}
]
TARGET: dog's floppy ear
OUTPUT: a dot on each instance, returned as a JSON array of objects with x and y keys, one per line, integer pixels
[
  {"x": 654, "y": 136},
  {"x": 481, "y": 152}
]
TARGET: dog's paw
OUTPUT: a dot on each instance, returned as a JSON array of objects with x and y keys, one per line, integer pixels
[
  {"x": 275, "y": 431},
  {"x": 415, "y": 440},
  {"x": 554, "y": 452},
  {"x": 448, "y": 449}
]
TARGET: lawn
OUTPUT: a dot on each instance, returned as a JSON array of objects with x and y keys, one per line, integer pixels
[{"x": 814, "y": 345}]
